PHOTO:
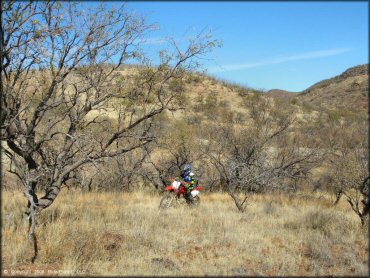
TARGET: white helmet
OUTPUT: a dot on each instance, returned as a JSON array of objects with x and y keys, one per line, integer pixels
[{"x": 191, "y": 174}]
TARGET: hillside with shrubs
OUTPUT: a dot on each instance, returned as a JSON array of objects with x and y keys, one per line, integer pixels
[{"x": 94, "y": 129}]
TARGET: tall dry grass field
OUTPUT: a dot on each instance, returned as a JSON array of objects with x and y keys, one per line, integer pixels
[{"x": 126, "y": 234}]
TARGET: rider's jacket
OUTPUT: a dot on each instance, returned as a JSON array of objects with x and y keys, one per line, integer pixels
[{"x": 191, "y": 184}]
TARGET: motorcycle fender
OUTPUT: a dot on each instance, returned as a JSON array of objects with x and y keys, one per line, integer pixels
[
  {"x": 194, "y": 193},
  {"x": 169, "y": 188}
]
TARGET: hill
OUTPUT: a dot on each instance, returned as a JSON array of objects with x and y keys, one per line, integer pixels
[
  {"x": 276, "y": 93},
  {"x": 349, "y": 90}
]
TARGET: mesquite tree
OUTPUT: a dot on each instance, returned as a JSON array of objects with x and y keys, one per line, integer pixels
[
  {"x": 64, "y": 102},
  {"x": 167, "y": 158},
  {"x": 351, "y": 177},
  {"x": 348, "y": 166},
  {"x": 261, "y": 157}
]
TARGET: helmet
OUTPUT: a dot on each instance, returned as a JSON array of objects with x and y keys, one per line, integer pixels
[
  {"x": 191, "y": 174},
  {"x": 187, "y": 167},
  {"x": 186, "y": 171},
  {"x": 187, "y": 179}
]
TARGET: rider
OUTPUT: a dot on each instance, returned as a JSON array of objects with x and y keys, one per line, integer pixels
[{"x": 189, "y": 177}]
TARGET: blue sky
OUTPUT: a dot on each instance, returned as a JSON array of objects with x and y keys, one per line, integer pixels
[{"x": 266, "y": 45}]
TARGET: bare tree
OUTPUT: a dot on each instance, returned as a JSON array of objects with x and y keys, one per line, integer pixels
[
  {"x": 350, "y": 174},
  {"x": 60, "y": 77},
  {"x": 347, "y": 161},
  {"x": 262, "y": 157},
  {"x": 171, "y": 155}
]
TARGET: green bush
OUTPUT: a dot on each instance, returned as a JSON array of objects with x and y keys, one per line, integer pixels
[
  {"x": 194, "y": 78},
  {"x": 293, "y": 101},
  {"x": 177, "y": 86}
]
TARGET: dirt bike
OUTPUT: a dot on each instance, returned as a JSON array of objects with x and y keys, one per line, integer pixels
[{"x": 177, "y": 191}]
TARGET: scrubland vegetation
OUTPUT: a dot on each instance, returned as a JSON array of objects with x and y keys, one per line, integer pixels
[
  {"x": 91, "y": 144},
  {"x": 126, "y": 234}
]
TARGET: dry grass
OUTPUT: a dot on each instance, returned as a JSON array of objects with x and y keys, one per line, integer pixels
[{"x": 125, "y": 234}]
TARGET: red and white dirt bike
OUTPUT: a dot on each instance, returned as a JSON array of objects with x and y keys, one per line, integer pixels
[{"x": 177, "y": 191}]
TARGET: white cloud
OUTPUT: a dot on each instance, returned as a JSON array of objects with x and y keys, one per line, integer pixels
[
  {"x": 153, "y": 41},
  {"x": 278, "y": 60}
]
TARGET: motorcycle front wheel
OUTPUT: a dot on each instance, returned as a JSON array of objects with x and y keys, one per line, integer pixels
[{"x": 196, "y": 201}]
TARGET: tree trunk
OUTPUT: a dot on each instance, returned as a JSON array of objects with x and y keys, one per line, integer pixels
[
  {"x": 50, "y": 196},
  {"x": 35, "y": 205},
  {"x": 32, "y": 234},
  {"x": 32, "y": 213},
  {"x": 365, "y": 191},
  {"x": 339, "y": 195},
  {"x": 239, "y": 204}
]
